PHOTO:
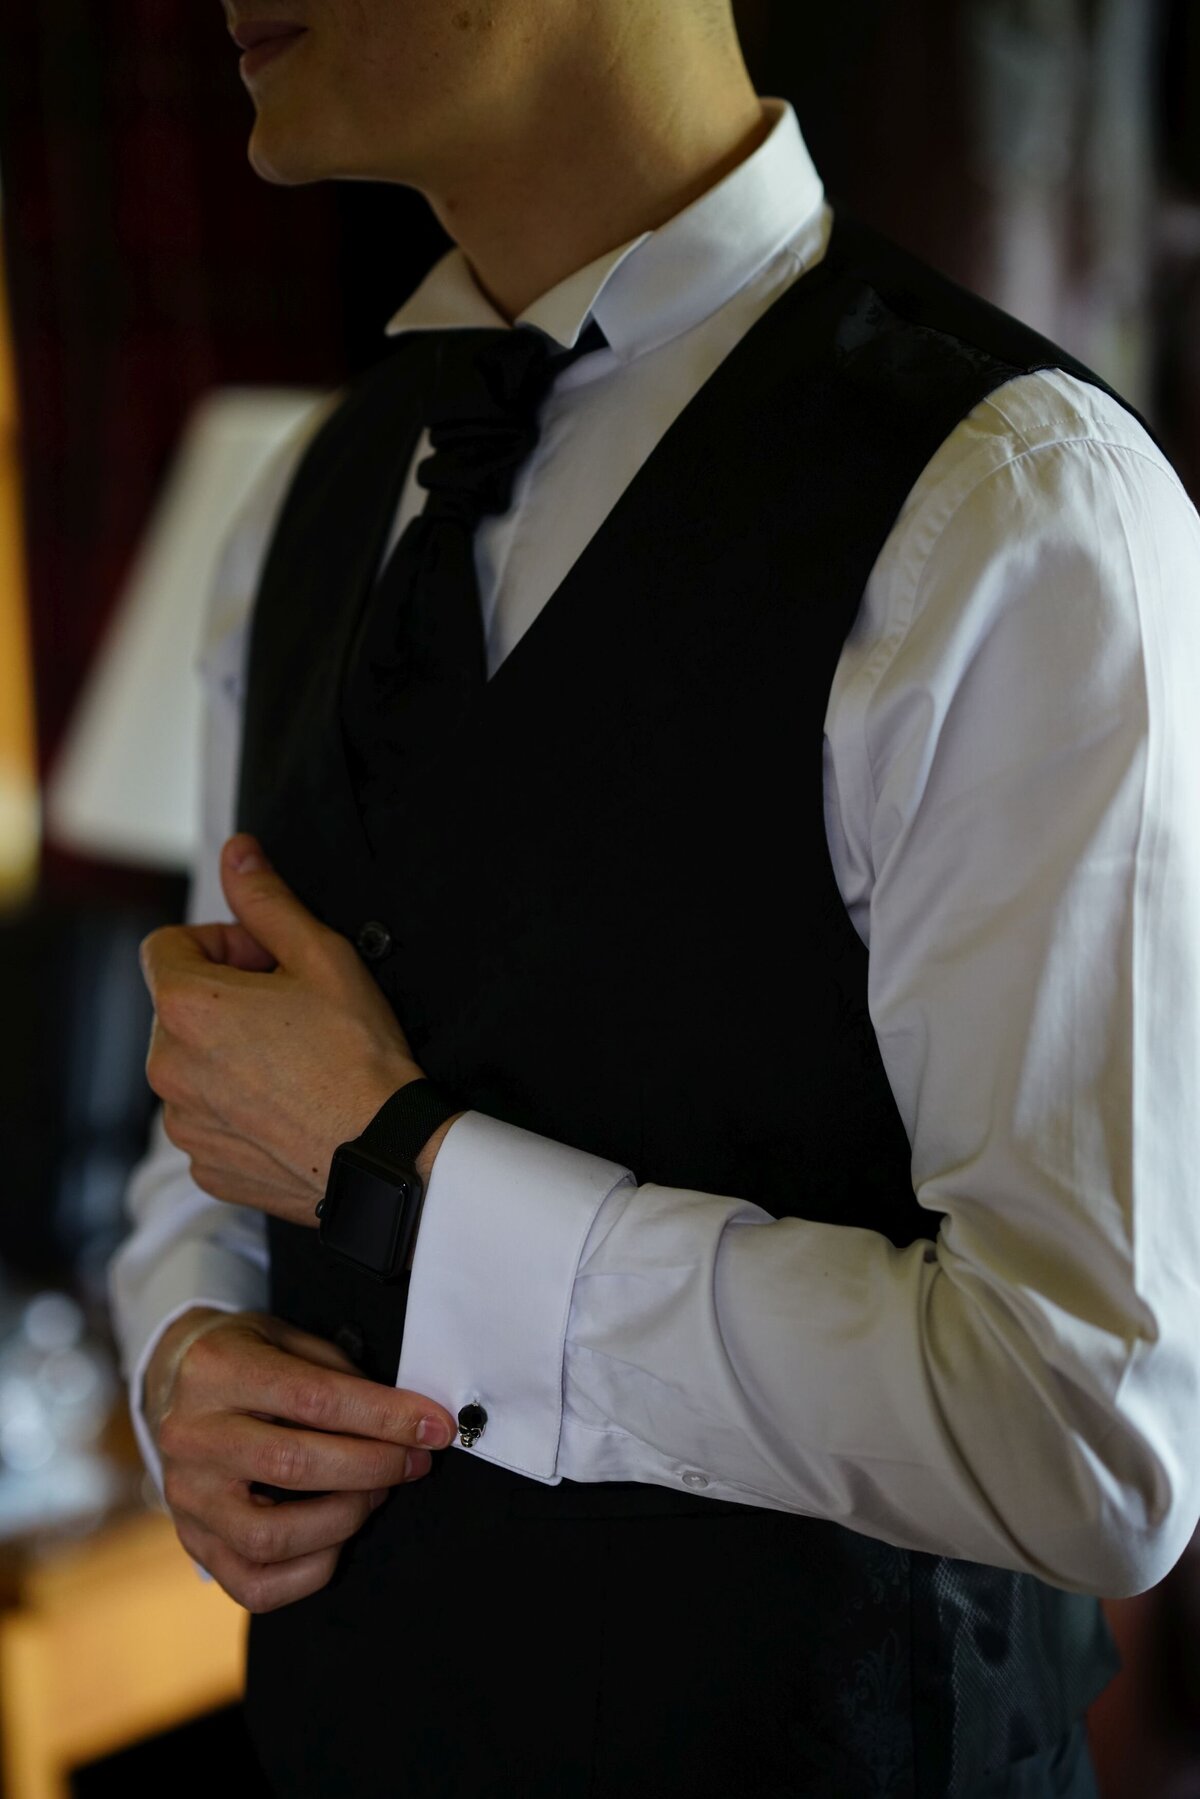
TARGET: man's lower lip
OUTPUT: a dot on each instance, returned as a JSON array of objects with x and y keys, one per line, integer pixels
[{"x": 252, "y": 60}]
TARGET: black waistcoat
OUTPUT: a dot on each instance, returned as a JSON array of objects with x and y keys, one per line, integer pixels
[{"x": 612, "y": 912}]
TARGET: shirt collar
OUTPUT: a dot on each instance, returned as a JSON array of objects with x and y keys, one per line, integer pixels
[{"x": 657, "y": 285}]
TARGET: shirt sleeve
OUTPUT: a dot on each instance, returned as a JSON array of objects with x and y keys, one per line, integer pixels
[
  {"x": 184, "y": 1247},
  {"x": 1012, "y": 771}
]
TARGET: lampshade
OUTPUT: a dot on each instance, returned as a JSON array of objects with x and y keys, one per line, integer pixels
[
  {"x": 125, "y": 785},
  {"x": 20, "y": 813}
]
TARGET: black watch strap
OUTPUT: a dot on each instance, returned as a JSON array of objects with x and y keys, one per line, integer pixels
[{"x": 406, "y": 1121}]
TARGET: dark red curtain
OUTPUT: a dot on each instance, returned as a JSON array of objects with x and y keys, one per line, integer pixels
[{"x": 148, "y": 263}]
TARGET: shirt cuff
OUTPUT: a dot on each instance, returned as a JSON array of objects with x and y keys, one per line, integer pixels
[{"x": 504, "y": 1225}]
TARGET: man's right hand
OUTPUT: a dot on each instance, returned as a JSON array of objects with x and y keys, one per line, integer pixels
[{"x": 214, "y": 1393}]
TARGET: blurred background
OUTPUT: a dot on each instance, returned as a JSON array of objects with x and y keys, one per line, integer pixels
[{"x": 164, "y": 317}]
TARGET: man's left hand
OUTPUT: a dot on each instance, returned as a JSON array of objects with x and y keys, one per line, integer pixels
[{"x": 271, "y": 1043}]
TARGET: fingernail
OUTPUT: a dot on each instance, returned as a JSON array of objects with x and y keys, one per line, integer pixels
[
  {"x": 419, "y": 1463},
  {"x": 246, "y": 859},
  {"x": 433, "y": 1432},
  {"x": 378, "y": 1496}
]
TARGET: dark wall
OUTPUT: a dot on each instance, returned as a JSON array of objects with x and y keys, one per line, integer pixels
[{"x": 147, "y": 262}]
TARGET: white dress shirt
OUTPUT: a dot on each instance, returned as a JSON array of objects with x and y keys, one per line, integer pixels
[{"x": 1012, "y": 807}]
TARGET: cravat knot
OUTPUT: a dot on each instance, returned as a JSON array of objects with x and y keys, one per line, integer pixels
[
  {"x": 419, "y": 658},
  {"x": 487, "y": 390}
]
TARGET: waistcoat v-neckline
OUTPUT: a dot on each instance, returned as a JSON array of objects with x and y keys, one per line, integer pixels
[
  {"x": 584, "y": 619},
  {"x": 520, "y": 679}
]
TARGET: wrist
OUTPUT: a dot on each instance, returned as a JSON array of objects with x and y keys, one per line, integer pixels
[
  {"x": 391, "y": 1081},
  {"x": 375, "y": 1194},
  {"x": 158, "y": 1376},
  {"x": 428, "y": 1153},
  {"x": 424, "y": 1167}
]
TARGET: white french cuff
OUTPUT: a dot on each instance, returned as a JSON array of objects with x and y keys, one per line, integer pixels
[{"x": 505, "y": 1222}]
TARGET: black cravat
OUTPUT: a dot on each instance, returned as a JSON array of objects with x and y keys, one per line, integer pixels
[{"x": 420, "y": 658}]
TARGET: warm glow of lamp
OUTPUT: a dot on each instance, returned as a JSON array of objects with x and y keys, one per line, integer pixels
[
  {"x": 125, "y": 786},
  {"x": 20, "y": 820}
]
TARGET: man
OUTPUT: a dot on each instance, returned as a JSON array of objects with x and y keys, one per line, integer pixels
[{"x": 810, "y": 1367}]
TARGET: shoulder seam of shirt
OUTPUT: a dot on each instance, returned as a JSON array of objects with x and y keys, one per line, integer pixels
[
  {"x": 894, "y": 639},
  {"x": 1026, "y": 452},
  {"x": 993, "y": 402}
]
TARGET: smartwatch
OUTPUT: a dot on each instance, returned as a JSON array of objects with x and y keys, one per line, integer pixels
[{"x": 373, "y": 1195}]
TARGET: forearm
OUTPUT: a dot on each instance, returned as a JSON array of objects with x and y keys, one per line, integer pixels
[{"x": 900, "y": 1392}]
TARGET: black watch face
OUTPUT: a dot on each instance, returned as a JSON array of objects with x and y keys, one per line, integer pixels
[{"x": 368, "y": 1212}]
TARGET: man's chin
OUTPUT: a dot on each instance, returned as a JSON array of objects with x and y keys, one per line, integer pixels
[{"x": 283, "y": 159}]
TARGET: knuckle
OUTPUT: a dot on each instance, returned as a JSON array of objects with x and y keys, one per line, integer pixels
[
  {"x": 180, "y": 1002},
  {"x": 190, "y": 1537},
  {"x": 213, "y": 1556},
  {"x": 379, "y": 1419},
  {"x": 282, "y": 1462},
  {"x": 209, "y": 1180},
  {"x": 156, "y": 1076},
  {"x": 312, "y": 1399},
  {"x": 200, "y": 1362},
  {"x": 174, "y": 1440},
  {"x": 168, "y": 1003},
  {"x": 358, "y": 1512},
  {"x": 146, "y": 950},
  {"x": 256, "y": 1591},
  {"x": 175, "y": 1123},
  {"x": 264, "y": 1592},
  {"x": 258, "y": 1539},
  {"x": 379, "y": 1466},
  {"x": 321, "y": 1572},
  {"x": 162, "y": 1075},
  {"x": 175, "y": 1487}
]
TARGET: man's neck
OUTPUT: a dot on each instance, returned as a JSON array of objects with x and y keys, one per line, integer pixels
[{"x": 555, "y": 200}]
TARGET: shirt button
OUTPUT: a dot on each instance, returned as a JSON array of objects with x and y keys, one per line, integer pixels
[
  {"x": 692, "y": 1479},
  {"x": 472, "y": 1420},
  {"x": 374, "y": 939}
]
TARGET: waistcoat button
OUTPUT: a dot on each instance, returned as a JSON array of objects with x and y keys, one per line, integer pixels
[
  {"x": 692, "y": 1479},
  {"x": 374, "y": 939},
  {"x": 349, "y": 1338}
]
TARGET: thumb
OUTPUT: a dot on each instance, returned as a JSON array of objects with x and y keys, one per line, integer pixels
[
  {"x": 233, "y": 945},
  {"x": 262, "y": 901}
]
